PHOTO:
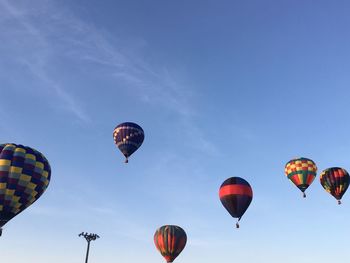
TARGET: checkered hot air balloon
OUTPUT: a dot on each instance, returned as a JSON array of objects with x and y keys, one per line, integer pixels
[
  {"x": 128, "y": 137},
  {"x": 24, "y": 176},
  {"x": 301, "y": 171},
  {"x": 170, "y": 240},
  {"x": 236, "y": 195},
  {"x": 335, "y": 181}
]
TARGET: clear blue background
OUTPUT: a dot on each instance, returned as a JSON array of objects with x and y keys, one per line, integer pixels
[{"x": 221, "y": 88}]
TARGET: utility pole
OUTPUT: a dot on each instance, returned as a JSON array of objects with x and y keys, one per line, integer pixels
[{"x": 89, "y": 238}]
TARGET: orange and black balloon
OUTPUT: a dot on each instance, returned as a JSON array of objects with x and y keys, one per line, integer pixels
[
  {"x": 335, "y": 181},
  {"x": 302, "y": 172},
  {"x": 170, "y": 240},
  {"x": 236, "y": 195}
]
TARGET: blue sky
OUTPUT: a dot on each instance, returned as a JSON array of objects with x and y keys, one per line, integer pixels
[{"x": 221, "y": 88}]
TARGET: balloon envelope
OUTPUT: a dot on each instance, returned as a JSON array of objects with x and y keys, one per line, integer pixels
[
  {"x": 24, "y": 175},
  {"x": 128, "y": 137},
  {"x": 335, "y": 181},
  {"x": 236, "y": 195},
  {"x": 301, "y": 171},
  {"x": 170, "y": 240}
]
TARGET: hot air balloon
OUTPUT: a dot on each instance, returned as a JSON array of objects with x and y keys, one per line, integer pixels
[
  {"x": 24, "y": 176},
  {"x": 170, "y": 240},
  {"x": 128, "y": 136},
  {"x": 301, "y": 171},
  {"x": 236, "y": 195},
  {"x": 335, "y": 181}
]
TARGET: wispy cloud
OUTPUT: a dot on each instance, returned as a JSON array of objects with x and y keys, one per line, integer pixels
[
  {"x": 69, "y": 103},
  {"x": 36, "y": 53},
  {"x": 56, "y": 32},
  {"x": 154, "y": 85}
]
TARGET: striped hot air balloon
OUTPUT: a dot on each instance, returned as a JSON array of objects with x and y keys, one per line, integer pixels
[
  {"x": 236, "y": 195},
  {"x": 335, "y": 181},
  {"x": 301, "y": 171},
  {"x": 128, "y": 137},
  {"x": 170, "y": 240},
  {"x": 24, "y": 176}
]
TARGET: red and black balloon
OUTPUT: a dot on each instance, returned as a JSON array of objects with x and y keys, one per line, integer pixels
[
  {"x": 236, "y": 195},
  {"x": 335, "y": 181}
]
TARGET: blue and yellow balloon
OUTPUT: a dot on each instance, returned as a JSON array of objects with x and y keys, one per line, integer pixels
[{"x": 24, "y": 176}]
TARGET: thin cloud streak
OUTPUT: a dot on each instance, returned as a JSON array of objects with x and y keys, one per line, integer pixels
[
  {"x": 153, "y": 85},
  {"x": 61, "y": 34},
  {"x": 69, "y": 102},
  {"x": 37, "y": 61}
]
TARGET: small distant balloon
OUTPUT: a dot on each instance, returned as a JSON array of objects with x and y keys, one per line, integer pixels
[
  {"x": 24, "y": 176},
  {"x": 128, "y": 137},
  {"x": 302, "y": 172},
  {"x": 170, "y": 240},
  {"x": 335, "y": 181},
  {"x": 236, "y": 195}
]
